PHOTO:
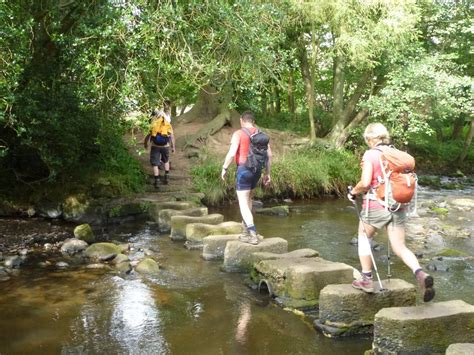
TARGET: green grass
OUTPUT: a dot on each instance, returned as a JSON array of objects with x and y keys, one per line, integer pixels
[{"x": 306, "y": 173}]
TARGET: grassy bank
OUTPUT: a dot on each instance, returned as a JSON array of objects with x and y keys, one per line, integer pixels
[{"x": 303, "y": 174}]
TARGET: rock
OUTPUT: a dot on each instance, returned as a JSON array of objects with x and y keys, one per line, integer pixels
[
  {"x": 124, "y": 247},
  {"x": 164, "y": 216},
  {"x": 156, "y": 207},
  {"x": 195, "y": 232},
  {"x": 62, "y": 265},
  {"x": 74, "y": 207},
  {"x": 238, "y": 256},
  {"x": 4, "y": 276},
  {"x": 437, "y": 266},
  {"x": 257, "y": 204},
  {"x": 214, "y": 246},
  {"x": 147, "y": 266},
  {"x": 49, "y": 246},
  {"x": 460, "y": 349},
  {"x": 49, "y": 209},
  {"x": 100, "y": 250},
  {"x": 451, "y": 253},
  {"x": 426, "y": 329},
  {"x": 120, "y": 258},
  {"x": 299, "y": 253},
  {"x": 119, "y": 210},
  {"x": 107, "y": 257},
  {"x": 274, "y": 211},
  {"x": 463, "y": 202},
  {"x": 23, "y": 252},
  {"x": 345, "y": 311},
  {"x": 84, "y": 232},
  {"x": 13, "y": 262},
  {"x": 354, "y": 241},
  {"x": 179, "y": 224},
  {"x": 73, "y": 246},
  {"x": 123, "y": 267},
  {"x": 297, "y": 282},
  {"x": 97, "y": 266}
]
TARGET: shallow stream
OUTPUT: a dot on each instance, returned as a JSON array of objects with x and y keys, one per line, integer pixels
[{"x": 192, "y": 307}]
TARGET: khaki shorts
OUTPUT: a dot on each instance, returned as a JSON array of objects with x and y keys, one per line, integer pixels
[{"x": 380, "y": 218}]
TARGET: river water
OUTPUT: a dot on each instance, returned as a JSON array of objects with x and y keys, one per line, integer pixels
[{"x": 191, "y": 307}]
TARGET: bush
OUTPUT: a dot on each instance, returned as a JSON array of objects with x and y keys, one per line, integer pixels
[{"x": 308, "y": 172}]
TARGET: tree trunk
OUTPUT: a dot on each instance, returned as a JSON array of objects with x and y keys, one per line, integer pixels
[
  {"x": 467, "y": 142},
  {"x": 173, "y": 111},
  {"x": 291, "y": 94},
  {"x": 338, "y": 90},
  {"x": 210, "y": 103},
  {"x": 264, "y": 103},
  {"x": 276, "y": 93},
  {"x": 457, "y": 127},
  {"x": 308, "y": 80}
]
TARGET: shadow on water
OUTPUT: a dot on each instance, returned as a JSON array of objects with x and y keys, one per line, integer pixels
[{"x": 191, "y": 307}]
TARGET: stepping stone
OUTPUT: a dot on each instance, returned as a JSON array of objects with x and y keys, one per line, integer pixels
[
  {"x": 195, "y": 232},
  {"x": 274, "y": 211},
  {"x": 344, "y": 310},
  {"x": 297, "y": 282},
  {"x": 164, "y": 216},
  {"x": 238, "y": 256},
  {"x": 300, "y": 253},
  {"x": 425, "y": 329},
  {"x": 155, "y": 208},
  {"x": 214, "y": 246},
  {"x": 179, "y": 224},
  {"x": 460, "y": 349}
]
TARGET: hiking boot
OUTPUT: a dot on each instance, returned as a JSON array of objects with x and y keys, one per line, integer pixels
[
  {"x": 244, "y": 236},
  {"x": 425, "y": 282},
  {"x": 166, "y": 179},
  {"x": 253, "y": 238},
  {"x": 156, "y": 183},
  {"x": 365, "y": 284}
]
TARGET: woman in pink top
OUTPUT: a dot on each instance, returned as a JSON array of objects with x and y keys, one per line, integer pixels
[{"x": 377, "y": 217}]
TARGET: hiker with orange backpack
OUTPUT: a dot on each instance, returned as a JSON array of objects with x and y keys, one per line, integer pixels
[
  {"x": 161, "y": 138},
  {"x": 388, "y": 184}
]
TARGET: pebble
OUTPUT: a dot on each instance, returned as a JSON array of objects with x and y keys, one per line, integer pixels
[
  {"x": 23, "y": 252},
  {"x": 62, "y": 265},
  {"x": 48, "y": 246}
]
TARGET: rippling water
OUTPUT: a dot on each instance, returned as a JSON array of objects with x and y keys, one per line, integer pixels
[{"x": 191, "y": 307}]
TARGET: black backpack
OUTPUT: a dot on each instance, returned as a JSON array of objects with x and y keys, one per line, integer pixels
[{"x": 258, "y": 150}]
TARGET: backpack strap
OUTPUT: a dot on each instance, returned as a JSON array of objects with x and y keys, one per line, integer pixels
[{"x": 247, "y": 132}]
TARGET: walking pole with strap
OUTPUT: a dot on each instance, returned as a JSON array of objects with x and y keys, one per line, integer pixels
[{"x": 349, "y": 189}]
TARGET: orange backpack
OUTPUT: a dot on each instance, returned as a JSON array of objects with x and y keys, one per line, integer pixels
[{"x": 398, "y": 182}]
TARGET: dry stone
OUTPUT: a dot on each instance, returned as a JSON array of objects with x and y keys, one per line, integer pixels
[
  {"x": 345, "y": 311},
  {"x": 460, "y": 349},
  {"x": 195, "y": 232},
  {"x": 300, "y": 253},
  {"x": 214, "y": 246},
  {"x": 179, "y": 224},
  {"x": 426, "y": 329},
  {"x": 297, "y": 282},
  {"x": 164, "y": 216},
  {"x": 156, "y": 207},
  {"x": 238, "y": 256}
]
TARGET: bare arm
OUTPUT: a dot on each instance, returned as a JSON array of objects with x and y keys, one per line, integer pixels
[
  {"x": 234, "y": 145},
  {"x": 268, "y": 165},
  {"x": 366, "y": 178}
]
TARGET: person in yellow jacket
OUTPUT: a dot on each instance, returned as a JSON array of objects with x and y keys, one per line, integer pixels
[{"x": 161, "y": 138}]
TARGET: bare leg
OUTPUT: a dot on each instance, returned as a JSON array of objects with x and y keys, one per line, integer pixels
[
  {"x": 396, "y": 236},
  {"x": 245, "y": 206},
  {"x": 364, "y": 248},
  {"x": 156, "y": 172}
]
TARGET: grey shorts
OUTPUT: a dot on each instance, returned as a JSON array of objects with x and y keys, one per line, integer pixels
[
  {"x": 380, "y": 218},
  {"x": 158, "y": 155}
]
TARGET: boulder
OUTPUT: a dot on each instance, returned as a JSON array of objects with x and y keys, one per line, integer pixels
[
  {"x": 13, "y": 262},
  {"x": 120, "y": 258},
  {"x": 425, "y": 329},
  {"x": 344, "y": 311},
  {"x": 62, "y": 265},
  {"x": 238, "y": 256},
  {"x": 214, "y": 246},
  {"x": 72, "y": 246},
  {"x": 4, "y": 276},
  {"x": 75, "y": 207},
  {"x": 124, "y": 267},
  {"x": 274, "y": 211},
  {"x": 179, "y": 224},
  {"x": 195, "y": 232},
  {"x": 463, "y": 202},
  {"x": 84, "y": 232},
  {"x": 297, "y": 282},
  {"x": 460, "y": 349},
  {"x": 147, "y": 266},
  {"x": 164, "y": 216},
  {"x": 102, "y": 250},
  {"x": 156, "y": 207}
]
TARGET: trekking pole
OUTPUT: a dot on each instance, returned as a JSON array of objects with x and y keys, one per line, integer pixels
[
  {"x": 349, "y": 189},
  {"x": 389, "y": 275}
]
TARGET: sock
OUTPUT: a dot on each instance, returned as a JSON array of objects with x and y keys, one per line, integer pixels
[
  {"x": 252, "y": 228},
  {"x": 157, "y": 177},
  {"x": 418, "y": 270},
  {"x": 367, "y": 274}
]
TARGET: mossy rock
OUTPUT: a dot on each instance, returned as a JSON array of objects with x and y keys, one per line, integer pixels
[
  {"x": 440, "y": 211},
  {"x": 128, "y": 209},
  {"x": 432, "y": 181},
  {"x": 84, "y": 232},
  {"x": 74, "y": 207},
  {"x": 447, "y": 252},
  {"x": 100, "y": 250},
  {"x": 147, "y": 266}
]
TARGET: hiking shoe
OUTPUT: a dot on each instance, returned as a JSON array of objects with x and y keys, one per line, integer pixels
[
  {"x": 156, "y": 183},
  {"x": 166, "y": 179},
  {"x": 253, "y": 238},
  {"x": 244, "y": 236},
  {"x": 425, "y": 282},
  {"x": 365, "y": 284}
]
